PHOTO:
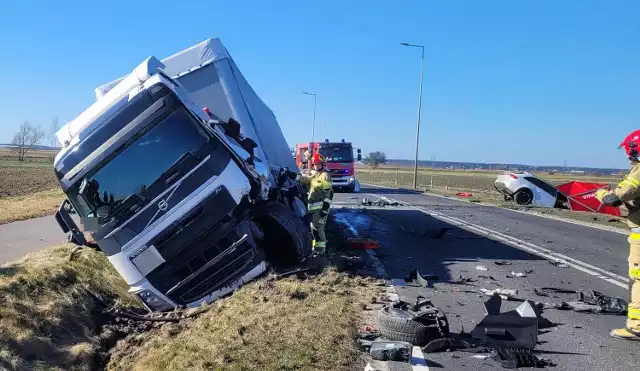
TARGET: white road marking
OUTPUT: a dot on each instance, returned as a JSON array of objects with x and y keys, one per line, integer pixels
[
  {"x": 418, "y": 363},
  {"x": 592, "y": 270},
  {"x": 532, "y": 213}
]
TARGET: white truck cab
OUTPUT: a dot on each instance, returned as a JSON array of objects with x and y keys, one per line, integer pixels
[{"x": 170, "y": 177}]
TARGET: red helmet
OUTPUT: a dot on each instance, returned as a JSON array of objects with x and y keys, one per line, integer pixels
[
  {"x": 631, "y": 144},
  {"x": 317, "y": 159}
]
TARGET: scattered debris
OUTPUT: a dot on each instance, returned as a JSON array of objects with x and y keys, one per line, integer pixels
[
  {"x": 482, "y": 356},
  {"x": 514, "y": 329},
  {"x": 298, "y": 272},
  {"x": 516, "y": 358},
  {"x": 502, "y": 262},
  {"x": 559, "y": 290},
  {"x": 487, "y": 277},
  {"x": 399, "y": 351},
  {"x": 558, "y": 263},
  {"x": 446, "y": 344},
  {"x": 379, "y": 202},
  {"x": 540, "y": 292},
  {"x": 481, "y": 268},
  {"x": 415, "y": 279},
  {"x": 506, "y": 294},
  {"x": 517, "y": 274},
  {"x": 596, "y": 303},
  {"x": 363, "y": 243},
  {"x": 464, "y": 280}
]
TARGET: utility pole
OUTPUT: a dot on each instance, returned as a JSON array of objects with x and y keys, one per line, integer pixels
[
  {"x": 415, "y": 169},
  {"x": 313, "y": 126}
]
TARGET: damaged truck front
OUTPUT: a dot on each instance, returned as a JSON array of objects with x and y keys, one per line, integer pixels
[{"x": 180, "y": 174}]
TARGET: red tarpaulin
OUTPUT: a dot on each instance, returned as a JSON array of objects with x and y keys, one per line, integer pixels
[{"x": 582, "y": 197}]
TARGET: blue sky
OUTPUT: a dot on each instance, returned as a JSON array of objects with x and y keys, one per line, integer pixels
[{"x": 536, "y": 82}]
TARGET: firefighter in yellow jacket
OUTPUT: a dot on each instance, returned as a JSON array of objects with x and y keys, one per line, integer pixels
[
  {"x": 627, "y": 193},
  {"x": 320, "y": 196}
]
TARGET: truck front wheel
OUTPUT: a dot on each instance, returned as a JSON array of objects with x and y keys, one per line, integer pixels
[{"x": 286, "y": 239}]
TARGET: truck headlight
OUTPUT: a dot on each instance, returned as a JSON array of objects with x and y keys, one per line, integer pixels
[
  {"x": 153, "y": 301},
  {"x": 352, "y": 179}
]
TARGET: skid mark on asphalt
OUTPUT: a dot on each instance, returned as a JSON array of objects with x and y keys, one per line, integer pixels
[{"x": 592, "y": 270}]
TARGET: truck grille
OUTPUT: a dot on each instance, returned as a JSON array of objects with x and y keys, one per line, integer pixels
[{"x": 196, "y": 240}]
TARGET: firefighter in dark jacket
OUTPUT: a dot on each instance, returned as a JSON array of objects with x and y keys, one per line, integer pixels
[
  {"x": 627, "y": 193},
  {"x": 320, "y": 196}
]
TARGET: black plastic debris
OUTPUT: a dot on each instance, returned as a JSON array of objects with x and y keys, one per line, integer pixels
[
  {"x": 502, "y": 262},
  {"x": 416, "y": 279},
  {"x": 448, "y": 344},
  {"x": 464, "y": 280},
  {"x": 596, "y": 303},
  {"x": 382, "y": 350},
  {"x": 514, "y": 329},
  {"x": 436, "y": 234},
  {"x": 516, "y": 358}
]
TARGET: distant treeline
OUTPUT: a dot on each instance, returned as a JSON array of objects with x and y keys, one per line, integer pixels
[{"x": 495, "y": 166}]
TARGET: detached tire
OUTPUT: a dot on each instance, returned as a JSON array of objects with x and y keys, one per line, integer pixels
[
  {"x": 286, "y": 239},
  {"x": 523, "y": 197},
  {"x": 399, "y": 325}
]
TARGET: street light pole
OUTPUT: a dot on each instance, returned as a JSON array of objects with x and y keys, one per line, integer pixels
[
  {"x": 313, "y": 126},
  {"x": 415, "y": 169}
]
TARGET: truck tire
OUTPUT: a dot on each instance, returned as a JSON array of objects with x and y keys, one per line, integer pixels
[
  {"x": 286, "y": 240},
  {"x": 523, "y": 196}
]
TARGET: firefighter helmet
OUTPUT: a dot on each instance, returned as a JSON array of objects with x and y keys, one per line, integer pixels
[
  {"x": 631, "y": 145},
  {"x": 318, "y": 159}
]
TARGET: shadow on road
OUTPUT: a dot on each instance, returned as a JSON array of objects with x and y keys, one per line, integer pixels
[{"x": 410, "y": 239}]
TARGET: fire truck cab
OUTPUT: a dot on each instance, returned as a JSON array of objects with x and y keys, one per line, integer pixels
[{"x": 339, "y": 157}]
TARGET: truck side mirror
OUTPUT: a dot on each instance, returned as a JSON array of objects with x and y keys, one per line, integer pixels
[
  {"x": 232, "y": 128},
  {"x": 359, "y": 157}
]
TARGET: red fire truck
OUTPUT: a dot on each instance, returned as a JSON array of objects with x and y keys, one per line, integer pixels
[{"x": 339, "y": 157}]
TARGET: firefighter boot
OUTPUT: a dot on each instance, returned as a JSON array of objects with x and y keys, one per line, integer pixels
[
  {"x": 632, "y": 331},
  {"x": 319, "y": 238}
]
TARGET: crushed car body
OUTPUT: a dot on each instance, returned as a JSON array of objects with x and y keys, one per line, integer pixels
[
  {"x": 527, "y": 189},
  {"x": 183, "y": 179}
]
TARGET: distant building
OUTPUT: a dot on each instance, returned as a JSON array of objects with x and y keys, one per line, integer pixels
[{"x": 577, "y": 172}]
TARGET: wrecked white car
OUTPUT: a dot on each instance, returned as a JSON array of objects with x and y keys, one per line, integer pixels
[{"x": 526, "y": 189}]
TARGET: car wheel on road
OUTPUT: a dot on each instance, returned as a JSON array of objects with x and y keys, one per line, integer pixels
[
  {"x": 286, "y": 239},
  {"x": 417, "y": 328},
  {"x": 523, "y": 197}
]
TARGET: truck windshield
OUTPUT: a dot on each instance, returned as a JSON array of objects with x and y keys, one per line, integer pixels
[
  {"x": 337, "y": 154},
  {"x": 144, "y": 161}
]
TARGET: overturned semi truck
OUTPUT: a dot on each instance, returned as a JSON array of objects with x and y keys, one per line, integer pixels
[{"x": 181, "y": 175}]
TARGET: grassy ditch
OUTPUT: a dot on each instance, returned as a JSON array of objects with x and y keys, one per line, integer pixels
[
  {"x": 52, "y": 317},
  {"x": 30, "y": 206},
  {"x": 50, "y": 312},
  {"x": 287, "y": 324}
]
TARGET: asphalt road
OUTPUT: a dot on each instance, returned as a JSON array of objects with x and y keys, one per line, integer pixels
[
  {"x": 577, "y": 341},
  {"x": 20, "y": 238}
]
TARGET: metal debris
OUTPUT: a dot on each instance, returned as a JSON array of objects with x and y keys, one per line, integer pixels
[
  {"x": 506, "y": 294},
  {"x": 516, "y": 358},
  {"x": 481, "y": 268},
  {"x": 464, "y": 281},
  {"x": 415, "y": 279}
]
